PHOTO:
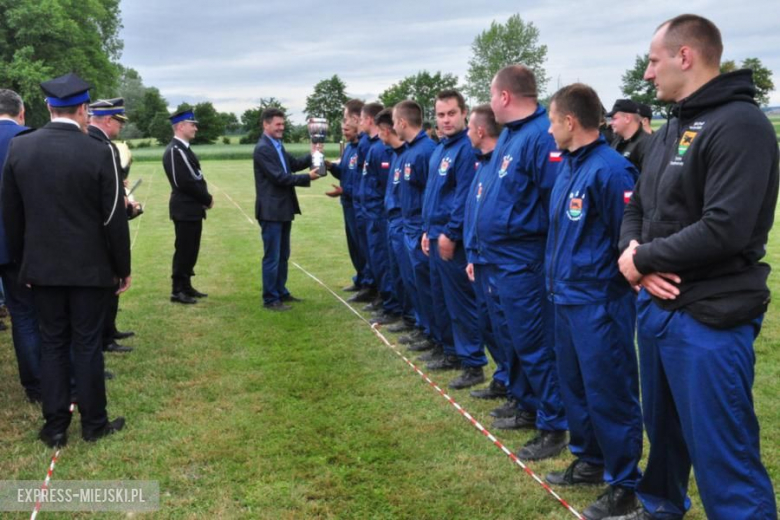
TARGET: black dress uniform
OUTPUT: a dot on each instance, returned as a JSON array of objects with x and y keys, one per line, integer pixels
[
  {"x": 190, "y": 198},
  {"x": 66, "y": 226},
  {"x": 116, "y": 109}
]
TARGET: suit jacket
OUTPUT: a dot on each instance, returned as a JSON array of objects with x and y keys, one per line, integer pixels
[
  {"x": 189, "y": 192},
  {"x": 8, "y": 130},
  {"x": 62, "y": 204},
  {"x": 275, "y": 187}
]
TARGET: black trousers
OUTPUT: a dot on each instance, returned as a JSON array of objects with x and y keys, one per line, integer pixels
[
  {"x": 109, "y": 327},
  {"x": 185, "y": 254},
  {"x": 71, "y": 319}
]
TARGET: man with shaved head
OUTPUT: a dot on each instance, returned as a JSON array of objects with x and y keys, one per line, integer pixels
[{"x": 693, "y": 235}]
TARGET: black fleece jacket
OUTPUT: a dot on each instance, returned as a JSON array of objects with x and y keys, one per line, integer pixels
[{"x": 705, "y": 202}]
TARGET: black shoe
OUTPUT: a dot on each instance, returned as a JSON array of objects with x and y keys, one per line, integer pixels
[
  {"x": 182, "y": 297},
  {"x": 546, "y": 445},
  {"x": 421, "y": 346},
  {"x": 108, "y": 375},
  {"x": 447, "y": 362},
  {"x": 508, "y": 409},
  {"x": 496, "y": 390},
  {"x": 385, "y": 319},
  {"x": 351, "y": 288},
  {"x": 277, "y": 306},
  {"x": 613, "y": 502},
  {"x": 375, "y": 305},
  {"x": 289, "y": 298},
  {"x": 578, "y": 472},
  {"x": 520, "y": 421},
  {"x": 110, "y": 427},
  {"x": 435, "y": 354},
  {"x": 124, "y": 335},
  {"x": 469, "y": 377},
  {"x": 413, "y": 337},
  {"x": 640, "y": 513},
  {"x": 58, "y": 440},
  {"x": 364, "y": 296},
  {"x": 191, "y": 291},
  {"x": 3, "y": 326},
  {"x": 116, "y": 347}
]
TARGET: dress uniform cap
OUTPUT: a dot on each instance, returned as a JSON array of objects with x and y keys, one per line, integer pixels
[
  {"x": 183, "y": 115},
  {"x": 114, "y": 107},
  {"x": 624, "y": 105},
  {"x": 66, "y": 91}
]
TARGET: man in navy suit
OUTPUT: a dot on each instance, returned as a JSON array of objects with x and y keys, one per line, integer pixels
[
  {"x": 276, "y": 205},
  {"x": 24, "y": 320}
]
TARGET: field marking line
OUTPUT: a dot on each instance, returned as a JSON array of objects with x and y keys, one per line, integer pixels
[{"x": 375, "y": 329}]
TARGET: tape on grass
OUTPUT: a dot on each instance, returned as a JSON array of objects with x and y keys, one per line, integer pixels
[
  {"x": 428, "y": 380},
  {"x": 49, "y": 474}
]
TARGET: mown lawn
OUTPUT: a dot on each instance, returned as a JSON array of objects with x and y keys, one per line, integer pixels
[{"x": 242, "y": 413}]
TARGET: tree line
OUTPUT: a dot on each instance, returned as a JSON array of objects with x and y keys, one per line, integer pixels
[{"x": 83, "y": 37}]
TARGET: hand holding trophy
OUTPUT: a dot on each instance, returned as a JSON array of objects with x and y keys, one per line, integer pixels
[{"x": 318, "y": 130}]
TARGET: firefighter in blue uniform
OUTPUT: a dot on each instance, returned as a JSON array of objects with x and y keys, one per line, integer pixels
[
  {"x": 512, "y": 223},
  {"x": 346, "y": 170},
  {"x": 371, "y": 192},
  {"x": 368, "y": 283},
  {"x": 451, "y": 171},
  {"x": 483, "y": 131},
  {"x": 594, "y": 306},
  {"x": 407, "y": 122}
]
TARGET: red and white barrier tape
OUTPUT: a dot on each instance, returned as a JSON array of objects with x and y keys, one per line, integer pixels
[
  {"x": 457, "y": 406},
  {"x": 449, "y": 399},
  {"x": 49, "y": 474}
]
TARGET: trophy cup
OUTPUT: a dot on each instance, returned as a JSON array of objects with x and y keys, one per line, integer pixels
[{"x": 318, "y": 130}]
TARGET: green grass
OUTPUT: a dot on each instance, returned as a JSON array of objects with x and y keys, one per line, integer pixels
[{"x": 242, "y": 413}]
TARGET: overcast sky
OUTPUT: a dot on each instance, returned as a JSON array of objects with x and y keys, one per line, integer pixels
[{"x": 234, "y": 52}]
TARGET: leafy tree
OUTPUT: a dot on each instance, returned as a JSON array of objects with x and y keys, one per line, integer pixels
[
  {"x": 160, "y": 128},
  {"x": 210, "y": 125},
  {"x": 637, "y": 89},
  {"x": 728, "y": 66},
  {"x": 142, "y": 115},
  {"x": 422, "y": 88},
  {"x": 229, "y": 119},
  {"x": 250, "y": 120},
  {"x": 327, "y": 101},
  {"x": 762, "y": 77},
  {"x": 40, "y": 40},
  {"x": 501, "y": 45}
]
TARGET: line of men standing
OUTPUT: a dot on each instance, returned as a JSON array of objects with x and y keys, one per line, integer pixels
[{"x": 514, "y": 239}]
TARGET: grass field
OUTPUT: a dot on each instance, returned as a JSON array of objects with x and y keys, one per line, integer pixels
[{"x": 242, "y": 413}]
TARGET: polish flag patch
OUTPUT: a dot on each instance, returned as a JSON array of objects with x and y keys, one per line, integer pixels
[
  {"x": 556, "y": 156},
  {"x": 627, "y": 196},
  {"x": 385, "y": 165}
]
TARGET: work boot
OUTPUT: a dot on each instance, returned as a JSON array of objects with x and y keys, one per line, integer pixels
[
  {"x": 421, "y": 346},
  {"x": 448, "y": 362},
  {"x": 437, "y": 352},
  {"x": 413, "y": 337},
  {"x": 469, "y": 377},
  {"x": 363, "y": 296},
  {"x": 508, "y": 409},
  {"x": 385, "y": 319},
  {"x": 640, "y": 513},
  {"x": 496, "y": 390},
  {"x": 351, "y": 288},
  {"x": 374, "y": 305},
  {"x": 578, "y": 472},
  {"x": 546, "y": 445},
  {"x": 521, "y": 420},
  {"x": 614, "y": 501}
]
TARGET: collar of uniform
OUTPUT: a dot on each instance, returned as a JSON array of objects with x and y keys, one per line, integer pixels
[
  {"x": 101, "y": 130},
  {"x": 373, "y": 139},
  {"x": 483, "y": 156},
  {"x": 419, "y": 136},
  {"x": 400, "y": 148},
  {"x": 582, "y": 152},
  {"x": 5, "y": 118},
  {"x": 65, "y": 120},
  {"x": 182, "y": 141},
  {"x": 451, "y": 140},
  {"x": 514, "y": 125}
]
